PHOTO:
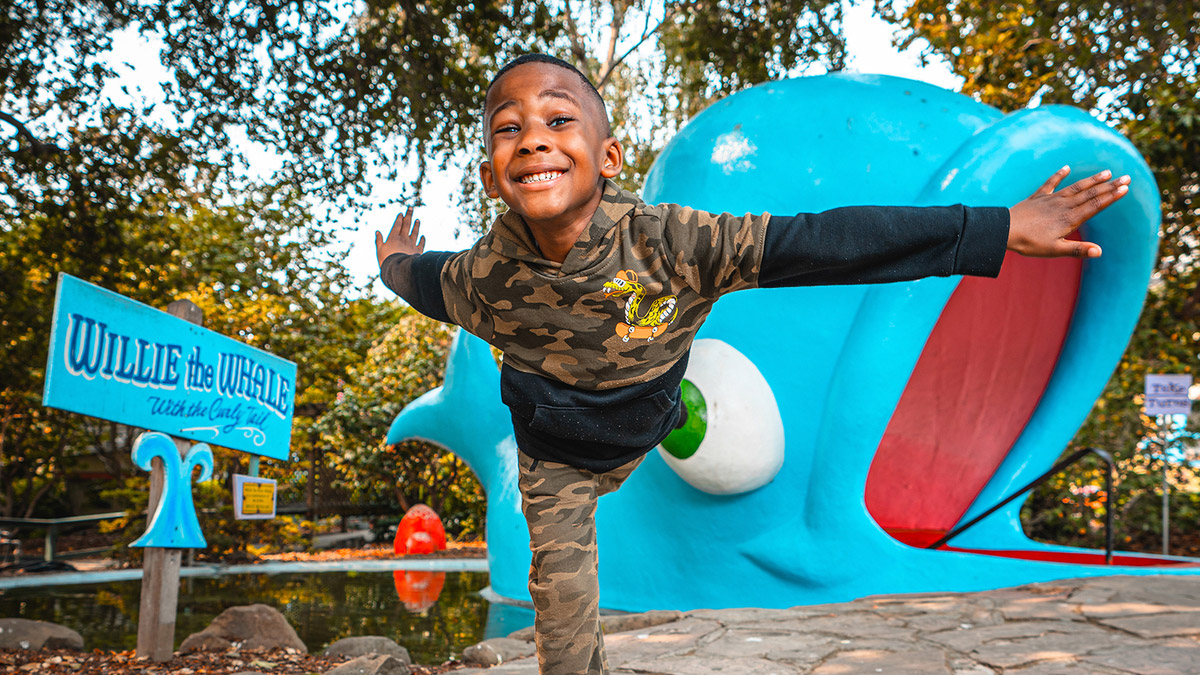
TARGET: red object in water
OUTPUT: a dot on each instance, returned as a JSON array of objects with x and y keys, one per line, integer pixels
[
  {"x": 418, "y": 590},
  {"x": 420, "y": 531}
]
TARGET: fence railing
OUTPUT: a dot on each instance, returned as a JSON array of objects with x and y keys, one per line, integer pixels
[
  {"x": 53, "y": 525},
  {"x": 1075, "y": 457}
]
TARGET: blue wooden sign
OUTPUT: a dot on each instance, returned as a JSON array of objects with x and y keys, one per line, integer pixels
[{"x": 119, "y": 360}]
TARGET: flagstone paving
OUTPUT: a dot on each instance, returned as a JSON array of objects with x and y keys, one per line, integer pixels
[{"x": 1143, "y": 625}]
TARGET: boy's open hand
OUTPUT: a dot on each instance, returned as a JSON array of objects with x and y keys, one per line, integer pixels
[
  {"x": 404, "y": 237},
  {"x": 1039, "y": 225}
]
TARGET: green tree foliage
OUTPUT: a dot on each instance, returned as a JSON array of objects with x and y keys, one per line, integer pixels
[
  {"x": 1134, "y": 63},
  {"x": 346, "y": 91},
  {"x": 153, "y": 210},
  {"x": 99, "y": 210},
  {"x": 257, "y": 266},
  {"x": 406, "y": 362},
  {"x": 147, "y": 193},
  {"x": 103, "y": 192},
  {"x": 220, "y": 56},
  {"x": 405, "y": 81}
]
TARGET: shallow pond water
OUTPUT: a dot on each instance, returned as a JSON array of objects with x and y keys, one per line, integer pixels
[{"x": 322, "y": 607}]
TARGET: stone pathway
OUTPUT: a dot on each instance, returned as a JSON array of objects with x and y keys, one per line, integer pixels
[{"x": 1143, "y": 625}]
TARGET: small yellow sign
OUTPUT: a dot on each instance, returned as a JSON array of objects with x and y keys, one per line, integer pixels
[
  {"x": 253, "y": 497},
  {"x": 258, "y": 498}
]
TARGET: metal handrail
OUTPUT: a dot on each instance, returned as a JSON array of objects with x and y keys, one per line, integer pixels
[
  {"x": 1075, "y": 457},
  {"x": 52, "y": 524},
  {"x": 92, "y": 518}
]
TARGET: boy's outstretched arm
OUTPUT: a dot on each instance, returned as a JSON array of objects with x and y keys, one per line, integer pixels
[
  {"x": 404, "y": 237},
  {"x": 411, "y": 273},
  {"x": 873, "y": 244},
  {"x": 1039, "y": 225}
]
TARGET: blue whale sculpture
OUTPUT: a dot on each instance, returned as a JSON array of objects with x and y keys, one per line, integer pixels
[{"x": 906, "y": 408}]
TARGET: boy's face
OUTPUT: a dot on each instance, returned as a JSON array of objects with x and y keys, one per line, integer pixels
[{"x": 548, "y": 146}]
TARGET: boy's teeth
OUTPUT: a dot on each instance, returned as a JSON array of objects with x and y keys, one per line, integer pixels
[{"x": 538, "y": 177}]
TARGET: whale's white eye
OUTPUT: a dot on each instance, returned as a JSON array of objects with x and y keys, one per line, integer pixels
[{"x": 732, "y": 441}]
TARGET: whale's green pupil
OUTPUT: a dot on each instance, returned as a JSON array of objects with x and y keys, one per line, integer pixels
[{"x": 684, "y": 441}]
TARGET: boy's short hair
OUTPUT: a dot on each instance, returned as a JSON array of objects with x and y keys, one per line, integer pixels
[{"x": 554, "y": 61}]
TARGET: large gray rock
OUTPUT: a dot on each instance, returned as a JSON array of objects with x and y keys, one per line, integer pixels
[
  {"x": 378, "y": 664},
  {"x": 495, "y": 651},
  {"x": 247, "y": 627},
  {"x": 26, "y": 634},
  {"x": 368, "y": 645},
  {"x": 205, "y": 642}
]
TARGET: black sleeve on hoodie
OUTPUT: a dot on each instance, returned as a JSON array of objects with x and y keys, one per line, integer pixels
[
  {"x": 418, "y": 280},
  {"x": 882, "y": 244}
]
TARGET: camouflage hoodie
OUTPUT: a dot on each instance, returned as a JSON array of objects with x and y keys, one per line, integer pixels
[
  {"x": 595, "y": 347},
  {"x": 622, "y": 307}
]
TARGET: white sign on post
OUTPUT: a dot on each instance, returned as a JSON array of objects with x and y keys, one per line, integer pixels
[
  {"x": 253, "y": 498},
  {"x": 1168, "y": 395}
]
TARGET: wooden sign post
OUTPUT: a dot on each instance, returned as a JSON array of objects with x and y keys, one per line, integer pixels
[
  {"x": 160, "y": 566},
  {"x": 120, "y": 360}
]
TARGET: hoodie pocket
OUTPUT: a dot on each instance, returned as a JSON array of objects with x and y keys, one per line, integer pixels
[{"x": 634, "y": 424}]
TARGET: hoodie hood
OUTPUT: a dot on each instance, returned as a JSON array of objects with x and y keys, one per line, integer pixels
[{"x": 512, "y": 238}]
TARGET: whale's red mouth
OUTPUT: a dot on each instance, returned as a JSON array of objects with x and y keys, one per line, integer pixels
[{"x": 975, "y": 387}]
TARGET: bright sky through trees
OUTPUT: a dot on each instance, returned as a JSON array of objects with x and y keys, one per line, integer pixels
[{"x": 868, "y": 41}]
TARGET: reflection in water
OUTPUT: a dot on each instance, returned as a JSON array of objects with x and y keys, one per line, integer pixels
[
  {"x": 434, "y": 618},
  {"x": 418, "y": 590}
]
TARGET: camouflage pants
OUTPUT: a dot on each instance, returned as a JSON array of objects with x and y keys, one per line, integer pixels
[{"x": 559, "y": 502}]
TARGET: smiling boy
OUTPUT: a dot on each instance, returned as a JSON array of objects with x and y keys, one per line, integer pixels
[{"x": 591, "y": 377}]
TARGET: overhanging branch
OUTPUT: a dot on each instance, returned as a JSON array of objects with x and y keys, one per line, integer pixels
[
  {"x": 647, "y": 31},
  {"x": 24, "y": 132}
]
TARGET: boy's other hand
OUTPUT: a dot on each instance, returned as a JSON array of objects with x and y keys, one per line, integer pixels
[
  {"x": 404, "y": 237},
  {"x": 1039, "y": 225}
]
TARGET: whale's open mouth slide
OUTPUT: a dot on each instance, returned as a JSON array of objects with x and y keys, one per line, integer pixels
[{"x": 975, "y": 387}]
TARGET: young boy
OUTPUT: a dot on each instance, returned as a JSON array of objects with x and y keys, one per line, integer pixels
[{"x": 592, "y": 383}]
